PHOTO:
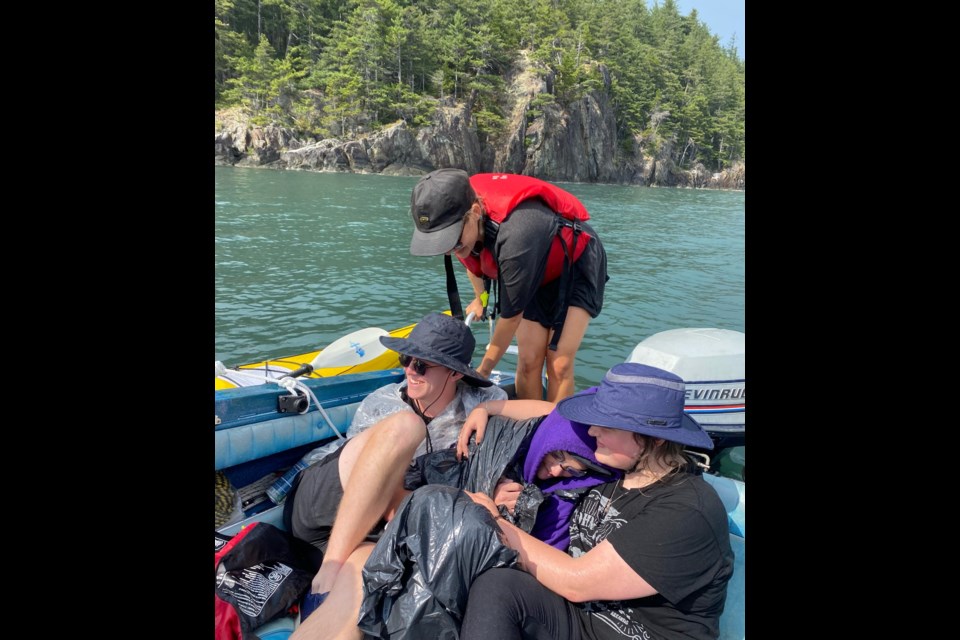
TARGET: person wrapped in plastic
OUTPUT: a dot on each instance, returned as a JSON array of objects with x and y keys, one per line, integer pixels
[{"x": 417, "y": 578}]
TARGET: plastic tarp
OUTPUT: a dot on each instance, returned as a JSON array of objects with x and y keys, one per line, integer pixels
[
  {"x": 502, "y": 453},
  {"x": 416, "y": 581},
  {"x": 444, "y": 428},
  {"x": 437, "y": 544}
]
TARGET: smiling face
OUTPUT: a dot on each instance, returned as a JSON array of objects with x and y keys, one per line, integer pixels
[{"x": 428, "y": 386}]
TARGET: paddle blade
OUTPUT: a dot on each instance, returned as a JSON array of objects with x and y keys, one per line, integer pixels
[{"x": 352, "y": 349}]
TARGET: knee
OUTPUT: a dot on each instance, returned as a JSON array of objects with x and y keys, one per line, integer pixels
[
  {"x": 401, "y": 430},
  {"x": 560, "y": 366},
  {"x": 494, "y": 589},
  {"x": 529, "y": 365}
]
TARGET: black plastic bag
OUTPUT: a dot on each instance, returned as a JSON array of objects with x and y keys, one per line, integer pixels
[
  {"x": 416, "y": 581},
  {"x": 261, "y": 573}
]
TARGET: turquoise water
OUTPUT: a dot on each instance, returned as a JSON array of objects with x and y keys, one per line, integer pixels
[{"x": 305, "y": 258}]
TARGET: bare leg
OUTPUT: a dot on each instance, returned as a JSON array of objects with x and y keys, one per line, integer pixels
[
  {"x": 532, "y": 340},
  {"x": 560, "y": 380},
  {"x": 371, "y": 472},
  {"x": 337, "y": 617}
]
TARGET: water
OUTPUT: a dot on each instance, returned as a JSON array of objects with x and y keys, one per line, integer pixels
[{"x": 305, "y": 258}]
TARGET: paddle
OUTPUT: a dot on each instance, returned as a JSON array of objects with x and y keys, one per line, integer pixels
[{"x": 348, "y": 351}]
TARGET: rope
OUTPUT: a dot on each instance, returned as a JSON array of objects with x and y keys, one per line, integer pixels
[{"x": 292, "y": 385}]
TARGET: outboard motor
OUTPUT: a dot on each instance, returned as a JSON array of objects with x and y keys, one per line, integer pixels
[{"x": 712, "y": 364}]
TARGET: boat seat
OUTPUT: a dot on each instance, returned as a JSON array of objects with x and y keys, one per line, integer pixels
[
  {"x": 732, "y": 626},
  {"x": 250, "y": 423},
  {"x": 279, "y": 629},
  {"x": 733, "y": 494},
  {"x": 258, "y": 440}
]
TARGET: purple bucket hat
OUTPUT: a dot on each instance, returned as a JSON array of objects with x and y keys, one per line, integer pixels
[{"x": 639, "y": 398}]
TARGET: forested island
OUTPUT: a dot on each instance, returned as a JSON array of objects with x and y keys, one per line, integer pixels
[{"x": 615, "y": 91}]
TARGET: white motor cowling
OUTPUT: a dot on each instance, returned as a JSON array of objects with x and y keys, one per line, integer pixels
[{"x": 712, "y": 364}]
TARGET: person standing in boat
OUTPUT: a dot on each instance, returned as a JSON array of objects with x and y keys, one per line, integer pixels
[
  {"x": 649, "y": 555},
  {"x": 532, "y": 238},
  {"x": 345, "y": 498}
]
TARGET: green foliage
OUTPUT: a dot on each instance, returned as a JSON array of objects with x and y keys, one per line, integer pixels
[
  {"x": 342, "y": 68},
  {"x": 539, "y": 101}
]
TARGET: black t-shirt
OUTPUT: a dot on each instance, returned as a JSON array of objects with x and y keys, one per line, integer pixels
[
  {"x": 521, "y": 250},
  {"x": 675, "y": 536},
  {"x": 523, "y": 243}
]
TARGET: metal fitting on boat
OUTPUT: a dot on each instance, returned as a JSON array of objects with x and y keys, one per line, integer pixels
[{"x": 293, "y": 403}]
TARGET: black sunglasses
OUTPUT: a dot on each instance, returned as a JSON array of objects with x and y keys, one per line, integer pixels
[
  {"x": 419, "y": 366},
  {"x": 560, "y": 458}
]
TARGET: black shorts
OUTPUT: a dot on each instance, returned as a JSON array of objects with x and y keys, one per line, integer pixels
[
  {"x": 311, "y": 506},
  {"x": 589, "y": 279}
]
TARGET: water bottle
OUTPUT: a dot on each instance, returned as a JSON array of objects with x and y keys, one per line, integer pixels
[
  {"x": 277, "y": 492},
  {"x": 281, "y": 487}
]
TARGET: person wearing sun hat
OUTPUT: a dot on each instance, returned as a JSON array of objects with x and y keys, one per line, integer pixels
[
  {"x": 649, "y": 554},
  {"x": 346, "y": 498},
  {"x": 438, "y": 540},
  {"x": 417, "y": 580}
]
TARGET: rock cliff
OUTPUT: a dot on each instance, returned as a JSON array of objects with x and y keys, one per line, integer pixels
[{"x": 572, "y": 143}]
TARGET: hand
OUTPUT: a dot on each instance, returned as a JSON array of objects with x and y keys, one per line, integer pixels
[
  {"x": 477, "y": 308},
  {"x": 475, "y": 422},
  {"x": 506, "y": 493},
  {"x": 484, "y": 500},
  {"x": 326, "y": 576},
  {"x": 485, "y": 368}
]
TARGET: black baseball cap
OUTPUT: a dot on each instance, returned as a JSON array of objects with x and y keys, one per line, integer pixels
[{"x": 438, "y": 203}]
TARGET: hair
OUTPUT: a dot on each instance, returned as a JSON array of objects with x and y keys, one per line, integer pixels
[
  {"x": 480, "y": 214},
  {"x": 669, "y": 454}
]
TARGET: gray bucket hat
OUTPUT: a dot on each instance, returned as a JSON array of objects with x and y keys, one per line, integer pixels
[
  {"x": 444, "y": 340},
  {"x": 639, "y": 398}
]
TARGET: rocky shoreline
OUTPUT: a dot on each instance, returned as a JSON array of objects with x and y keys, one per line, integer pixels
[{"x": 572, "y": 144}]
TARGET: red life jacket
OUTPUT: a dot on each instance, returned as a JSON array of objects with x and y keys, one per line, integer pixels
[{"x": 501, "y": 193}]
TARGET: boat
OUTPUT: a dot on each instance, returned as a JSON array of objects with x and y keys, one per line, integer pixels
[
  {"x": 353, "y": 353},
  {"x": 264, "y": 429}
]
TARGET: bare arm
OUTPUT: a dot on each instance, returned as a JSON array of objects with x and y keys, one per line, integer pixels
[
  {"x": 515, "y": 409},
  {"x": 475, "y": 306},
  {"x": 502, "y": 335},
  {"x": 599, "y": 574}
]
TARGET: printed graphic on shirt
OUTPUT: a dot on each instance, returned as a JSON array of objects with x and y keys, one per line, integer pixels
[{"x": 595, "y": 519}]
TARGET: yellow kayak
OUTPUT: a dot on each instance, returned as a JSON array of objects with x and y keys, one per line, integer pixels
[{"x": 357, "y": 352}]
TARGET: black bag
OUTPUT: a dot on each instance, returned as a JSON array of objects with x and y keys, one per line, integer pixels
[{"x": 261, "y": 573}]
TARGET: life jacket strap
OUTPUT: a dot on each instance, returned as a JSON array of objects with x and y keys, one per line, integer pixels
[
  {"x": 453, "y": 294},
  {"x": 565, "y": 287}
]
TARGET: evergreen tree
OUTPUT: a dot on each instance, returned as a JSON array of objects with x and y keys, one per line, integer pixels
[{"x": 343, "y": 68}]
